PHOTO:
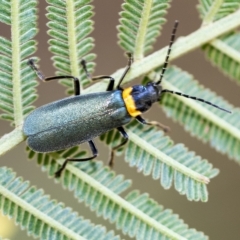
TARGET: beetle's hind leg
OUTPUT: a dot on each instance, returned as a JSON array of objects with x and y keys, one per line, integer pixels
[
  {"x": 153, "y": 123},
  {"x": 94, "y": 152},
  {"x": 46, "y": 79},
  {"x": 124, "y": 134}
]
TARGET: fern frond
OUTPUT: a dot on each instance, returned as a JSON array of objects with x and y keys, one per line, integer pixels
[
  {"x": 148, "y": 206},
  {"x": 94, "y": 169},
  {"x": 141, "y": 23},
  {"x": 209, "y": 124},
  {"x": 155, "y": 154},
  {"x": 17, "y": 84},
  {"x": 99, "y": 188},
  {"x": 214, "y": 10},
  {"x": 224, "y": 53},
  {"x": 42, "y": 217},
  {"x": 181, "y": 46},
  {"x": 5, "y": 17},
  {"x": 70, "y": 24}
]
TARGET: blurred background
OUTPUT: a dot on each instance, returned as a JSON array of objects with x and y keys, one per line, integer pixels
[{"x": 219, "y": 218}]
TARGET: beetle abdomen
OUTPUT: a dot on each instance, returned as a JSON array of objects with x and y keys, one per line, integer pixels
[{"x": 74, "y": 120}]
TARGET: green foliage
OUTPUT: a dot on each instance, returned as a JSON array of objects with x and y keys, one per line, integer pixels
[
  {"x": 136, "y": 215},
  {"x": 220, "y": 8},
  {"x": 14, "y": 71},
  {"x": 93, "y": 169},
  {"x": 5, "y": 12},
  {"x": 221, "y": 130},
  {"x": 100, "y": 188},
  {"x": 224, "y": 51},
  {"x": 42, "y": 217},
  {"x": 173, "y": 164},
  {"x": 70, "y": 24},
  {"x": 155, "y": 154},
  {"x": 141, "y": 23},
  {"x": 225, "y": 54},
  {"x": 152, "y": 209}
]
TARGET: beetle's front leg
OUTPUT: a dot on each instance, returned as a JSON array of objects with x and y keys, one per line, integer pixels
[{"x": 153, "y": 123}]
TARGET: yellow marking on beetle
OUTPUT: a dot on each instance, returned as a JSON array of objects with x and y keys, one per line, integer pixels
[{"x": 129, "y": 102}]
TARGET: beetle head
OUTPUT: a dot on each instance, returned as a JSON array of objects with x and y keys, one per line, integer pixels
[{"x": 145, "y": 96}]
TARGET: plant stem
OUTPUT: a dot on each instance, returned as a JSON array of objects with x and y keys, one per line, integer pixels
[
  {"x": 116, "y": 199},
  {"x": 229, "y": 51},
  {"x": 147, "y": 64},
  {"x": 182, "y": 46},
  {"x": 72, "y": 39},
  {"x": 212, "y": 12},
  {"x": 166, "y": 159},
  {"x": 10, "y": 140},
  {"x": 16, "y": 77},
  {"x": 207, "y": 114},
  {"x": 142, "y": 30},
  {"x": 39, "y": 215}
]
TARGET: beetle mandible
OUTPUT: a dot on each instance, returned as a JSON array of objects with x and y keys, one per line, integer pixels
[{"x": 80, "y": 118}]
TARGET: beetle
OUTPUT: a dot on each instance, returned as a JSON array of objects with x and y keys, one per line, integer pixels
[{"x": 80, "y": 118}]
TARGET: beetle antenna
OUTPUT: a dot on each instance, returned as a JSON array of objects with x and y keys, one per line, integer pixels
[
  {"x": 195, "y": 98},
  {"x": 169, "y": 51}
]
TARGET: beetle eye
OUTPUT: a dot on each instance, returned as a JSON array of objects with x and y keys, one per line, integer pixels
[
  {"x": 143, "y": 89},
  {"x": 138, "y": 89}
]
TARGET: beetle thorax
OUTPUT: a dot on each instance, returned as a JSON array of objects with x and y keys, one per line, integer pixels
[{"x": 139, "y": 98}]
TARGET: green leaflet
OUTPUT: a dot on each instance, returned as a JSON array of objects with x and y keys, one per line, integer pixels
[
  {"x": 214, "y": 10},
  {"x": 71, "y": 179},
  {"x": 42, "y": 217},
  {"x": 17, "y": 84},
  {"x": 224, "y": 53},
  {"x": 70, "y": 24},
  {"x": 100, "y": 189},
  {"x": 155, "y": 154},
  {"x": 220, "y": 129},
  {"x": 138, "y": 216},
  {"x": 5, "y": 11},
  {"x": 165, "y": 216},
  {"x": 140, "y": 25}
]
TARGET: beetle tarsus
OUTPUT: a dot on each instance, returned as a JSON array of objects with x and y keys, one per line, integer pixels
[
  {"x": 58, "y": 173},
  {"x": 124, "y": 134},
  {"x": 153, "y": 123},
  {"x": 34, "y": 68},
  {"x": 165, "y": 128},
  {"x": 111, "y": 159}
]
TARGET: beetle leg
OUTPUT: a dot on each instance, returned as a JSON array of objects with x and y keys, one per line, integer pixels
[
  {"x": 124, "y": 134},
  {"x": 110, "y": 86},
  {"x": 130, "y": 61},
  {"x": 94, "y": 152},
  {"x": 153, "y": 123},
  {"x": 95, "y": 78},
  {"x": 45, "y": 79},
  {"x": 111, "y": 83}
]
